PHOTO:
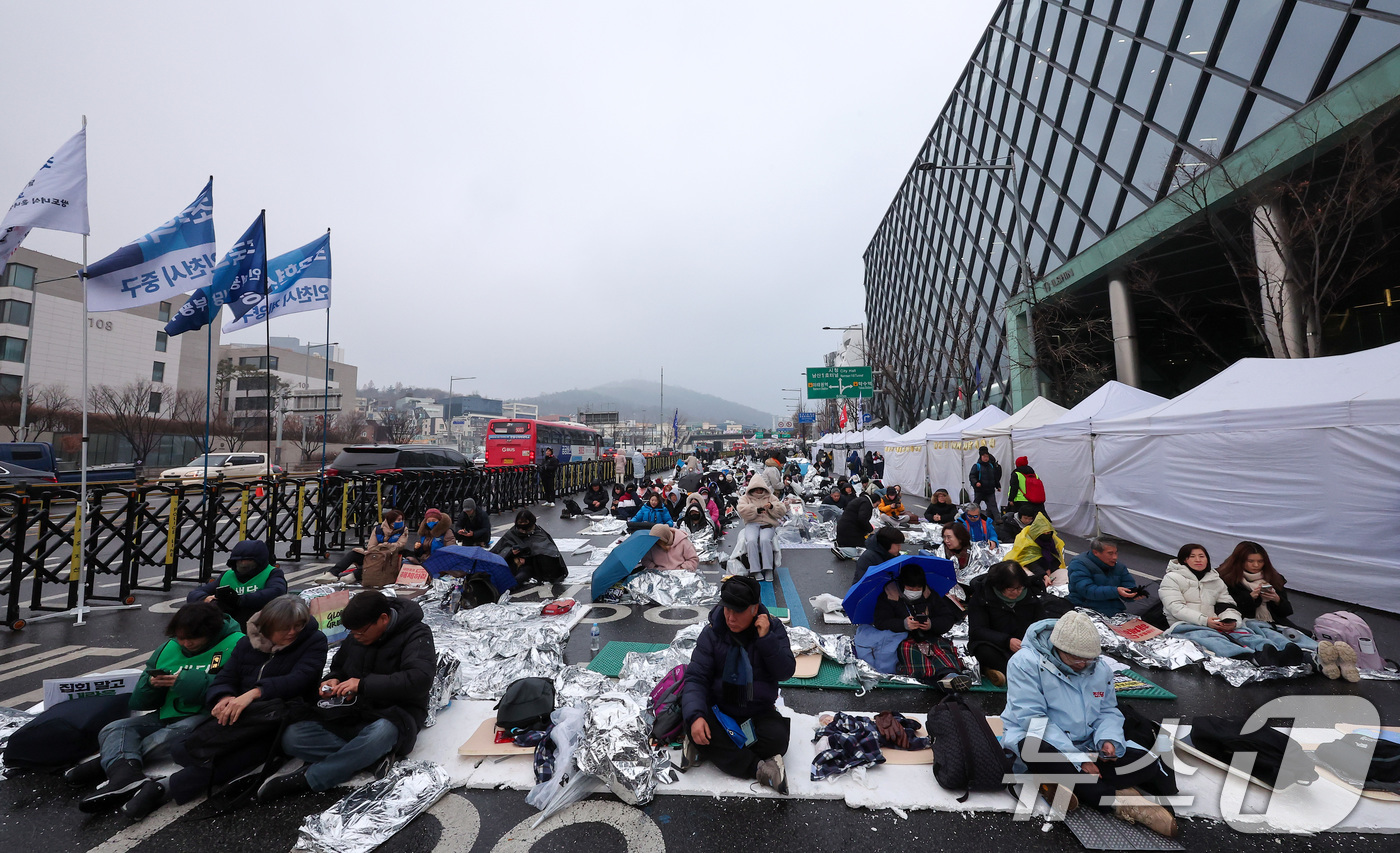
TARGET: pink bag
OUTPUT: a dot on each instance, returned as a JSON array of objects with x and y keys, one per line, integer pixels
[{"x": 1343, "y": 626}]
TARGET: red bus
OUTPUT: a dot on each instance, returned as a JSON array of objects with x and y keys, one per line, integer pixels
[{"x": 513, "y": 441}]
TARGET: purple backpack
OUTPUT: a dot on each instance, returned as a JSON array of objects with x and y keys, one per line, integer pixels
[
  {"x": 1343, "y": 626},
  {"x": 666, "y": 706}
]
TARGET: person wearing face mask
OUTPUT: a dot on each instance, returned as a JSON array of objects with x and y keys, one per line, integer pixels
[
  {"x": 382, "y": 553},
  {"x": 435, "y": 532},
  {"x": 762, "y": 513},
  {"x": 1000, "y": 608},
  {"x": 731, "y": 685},
  {"x": 1041, "y": 552},
  {"x": 697, "y": 518},
  {"x": 1062, "y": 720},
  {"x": 1198, "y": 604},
  {"x": 912, "y": 610},
  {"x": 249, "y": 582},
  {"x": 530, "y": 551},
  {"x": 978, "y": 526},
  {"x": 711, "y": 509}
]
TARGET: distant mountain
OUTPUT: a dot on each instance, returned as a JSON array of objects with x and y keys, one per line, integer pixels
[{"x": 637, "y": 399}]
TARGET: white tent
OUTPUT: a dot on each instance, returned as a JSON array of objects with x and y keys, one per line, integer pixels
[
  {"x": 997, "y": 437},
  {"x": 876, "y": 439},
  {"x": 945, "y": 448},
  {"x": 1299, "y": 455},
  {"x": 905, "y": 462},
  {"x": 1062, "y": 452}
]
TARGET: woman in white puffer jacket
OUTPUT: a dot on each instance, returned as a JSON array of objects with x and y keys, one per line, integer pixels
[{"x": 1198, "y": 604}]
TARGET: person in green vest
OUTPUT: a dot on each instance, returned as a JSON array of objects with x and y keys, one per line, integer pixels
[
  {"x": 249, "y": 582},
  {"x": 172, "y": 688}
]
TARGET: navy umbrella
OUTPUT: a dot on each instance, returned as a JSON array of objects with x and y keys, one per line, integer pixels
[
  {"x": 469, "y": 559},
  {"x": 859, "y": 603},
  {"x": 621, "y": 562}
]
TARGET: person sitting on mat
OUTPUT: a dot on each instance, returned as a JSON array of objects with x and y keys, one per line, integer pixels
[
  {"x": 917, "y": 617},
  {"x": 731, "y": 687},
  {"x": 1062, "y": 720},
  {"x": 1001, "y": 606}
]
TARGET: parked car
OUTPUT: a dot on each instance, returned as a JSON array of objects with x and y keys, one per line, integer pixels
[
  {"x": 40, "y": 456},
  {"x": 396, "y": 459},
  {"x": 226, "y": 465}
]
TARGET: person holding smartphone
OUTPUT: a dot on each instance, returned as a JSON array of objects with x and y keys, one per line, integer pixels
[
  {"x": 1197, "y": 602},
  {"x": 909, "y": 606}
]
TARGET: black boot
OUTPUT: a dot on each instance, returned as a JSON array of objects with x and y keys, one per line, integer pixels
[
  {"x": 123, "y": 778},
  {"x": 87, "y": 773},
  {"x": 147, "y": 799},
  {"x": 284, "y": 786}
]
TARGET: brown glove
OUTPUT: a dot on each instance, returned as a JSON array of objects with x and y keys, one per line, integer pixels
[{"x": 888, "y": 725}]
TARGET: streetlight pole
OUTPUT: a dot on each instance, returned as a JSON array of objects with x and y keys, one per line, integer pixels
[
  {"x": 450, "y": 382},
  {"x": 1017, "y": 225},
  {"x": 306, "y": 383}
]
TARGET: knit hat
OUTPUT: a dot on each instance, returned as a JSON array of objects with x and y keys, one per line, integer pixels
[
  {"x": 983, "y": 449},
  {"x": 468, "y": 505},
  {"x": 739, "y": 592},
  {"x": 1075, "y": 634},
  {"x": 665, "y": 534}
]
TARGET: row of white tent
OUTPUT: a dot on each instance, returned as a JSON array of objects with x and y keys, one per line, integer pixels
[{"x": 1300, "y": 455}]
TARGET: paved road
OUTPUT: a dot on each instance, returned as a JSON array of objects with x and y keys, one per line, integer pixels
[{"x": 37, "y": 811}]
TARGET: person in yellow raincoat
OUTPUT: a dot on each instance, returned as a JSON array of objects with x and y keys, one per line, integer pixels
[{"x": 1041, "y": 552}]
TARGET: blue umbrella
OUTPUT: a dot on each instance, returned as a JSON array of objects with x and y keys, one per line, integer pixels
[
  {"x": 859, "y": 603},
  {"x": 621, "y": 561},
  {"x": 470, "y": 559}
]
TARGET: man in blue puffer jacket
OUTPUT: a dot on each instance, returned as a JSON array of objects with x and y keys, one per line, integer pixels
[
  {"x": 1097, "y": 582},
  {"x": 732, "y": 684},
  {"x": 1062, "y": 720}
]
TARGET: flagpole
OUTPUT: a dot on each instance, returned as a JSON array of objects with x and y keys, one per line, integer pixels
[
  {"x": 208, "y": 391},
  {"x": 326, "y": 395},
  {"x": 79, "y": 540},
  {"x": 267, "y": 356}
]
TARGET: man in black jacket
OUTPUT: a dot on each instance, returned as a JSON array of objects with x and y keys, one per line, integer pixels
[
  {"x": 595, "y": 498},
  {"x": 549, "y": 468},
  {"x": 250, "y": 582},
  {"x": 473, "y": 526},
  {"x": 381, "y": 674},
  {"x": 880, "y": 547},
  {"x": 731, "y": 684},
  {"x": 985, "y": 479}
]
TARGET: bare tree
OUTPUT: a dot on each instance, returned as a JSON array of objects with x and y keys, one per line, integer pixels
[
  {"x": 892, "y": 362},
  {"x": 399, "y": 427},
  {"x": 348, "y": 426},
  {"x": 53, "y": 410},
  {"x": 1070, "y": 342},
  {"x": 133, "y": 412},
  {"x": 186, "y": 417}
]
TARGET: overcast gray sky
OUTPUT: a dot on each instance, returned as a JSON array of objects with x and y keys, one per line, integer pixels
[{"x": 516, "y": 189}]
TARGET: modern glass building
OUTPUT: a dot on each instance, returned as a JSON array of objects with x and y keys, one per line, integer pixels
[{"x": 1103, "y": 119}]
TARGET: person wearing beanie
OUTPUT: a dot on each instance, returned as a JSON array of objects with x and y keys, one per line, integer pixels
[
  {"x": 673, "y": 550},
  {"x": 434, "y": 533},
  {"x": 985, "y": 479},
  {"x": 730, "y": 690},
  {"x": 1017, "y": 487},
  {"x": 1062, "y": 720},
  {"x": 474, "y": 525},
  {"x": 595, "y": 497}
]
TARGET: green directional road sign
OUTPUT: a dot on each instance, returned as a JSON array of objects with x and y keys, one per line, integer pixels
[{"x": 824, "y": 383}]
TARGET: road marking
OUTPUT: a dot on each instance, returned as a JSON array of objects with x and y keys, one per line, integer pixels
[
  {"x": 460, "y": 822},
  {"x": 21, "y": 647},
  {"x": 83, "y": 652},
  {"x": 640, "y": 834},
  {"x": 36, "y": 695},
  {"x": 38, "y": 656},
  {"x": 139, "y": 832}
]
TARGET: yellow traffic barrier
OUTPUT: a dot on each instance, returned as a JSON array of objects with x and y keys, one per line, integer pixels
[
  {"x": 243, "y": 517},
  {"x": 171, "y": 534}
]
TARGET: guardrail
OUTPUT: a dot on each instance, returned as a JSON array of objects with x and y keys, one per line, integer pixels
[{"x": 150, "y": 536}]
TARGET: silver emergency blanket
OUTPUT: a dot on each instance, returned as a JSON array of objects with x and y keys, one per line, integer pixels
[
  {"x": 981, "y": 557},
  {"x": 1162, "y": 652},
  {"x": 576, "y": 684},
  {"x": 496, "y": 644},
  {"x": 706, "y": 545},
  {"x": 1379, "y": 675},
  {"x": 444, "y": 684},
  {"x": 808, "y": 527},
  {"x": 11, "y": 719},
  {"x": 668, "y": 589},
  {"x": 604, "y": 526},
  {"x": 642, "y": 671},
  {"x": 369, "y": 816},
  {"x": 616, "y": 747},
  {"x": 1242, "y": 672},
  {"x": 598, "y": 555}
]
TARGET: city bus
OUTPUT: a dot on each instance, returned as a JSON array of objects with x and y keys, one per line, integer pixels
[{"x": 516, "y": 441}]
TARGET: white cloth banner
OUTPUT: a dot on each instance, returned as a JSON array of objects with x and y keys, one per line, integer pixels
[
  {"x": 177, "y": 257},
  {"x": 56, "y": 198}
]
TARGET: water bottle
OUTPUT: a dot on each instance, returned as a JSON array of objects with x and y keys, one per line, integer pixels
[{"x": 593, "y": 638}]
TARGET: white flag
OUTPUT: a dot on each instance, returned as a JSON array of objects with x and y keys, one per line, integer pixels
[
  {"x": 175, "y": 258},
  {"x": 55, "y": 199}
]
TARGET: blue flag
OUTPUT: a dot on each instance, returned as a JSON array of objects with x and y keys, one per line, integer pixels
[
  {"x": 176, "y": 258},
  {"x": 240, "y": 270},
  {"x": 297, "y": 281},
  {"x": 676, "y": 427}
]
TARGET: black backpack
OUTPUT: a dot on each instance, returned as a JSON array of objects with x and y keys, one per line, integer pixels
[
  {"x": 966, "y": 755},
  {"x": 526, "y": 705},
  {"x": 1363, "y": 760},
  {"x": 65, "y": 733},
  {"x": 477, "y": 589},
  {"x": 1221, "y": 739}
]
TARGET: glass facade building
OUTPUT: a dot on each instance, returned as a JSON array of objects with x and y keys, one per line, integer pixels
[{"x": 1099, "y": 108}]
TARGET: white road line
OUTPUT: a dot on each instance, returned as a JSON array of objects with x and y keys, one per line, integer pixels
[
  {"x": 21, "y": 647},
  {"x": 37, "y": 656},
  {"x": 36, "y": 695},
  {"x": 139, "y": 832},
  {"x": 82, "y": 653}
]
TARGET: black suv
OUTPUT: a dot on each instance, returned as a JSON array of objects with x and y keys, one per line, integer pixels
[{"x": 395, "y": 459}]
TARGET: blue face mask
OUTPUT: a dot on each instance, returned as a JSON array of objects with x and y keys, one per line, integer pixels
[{"x": 398, "y": 525}]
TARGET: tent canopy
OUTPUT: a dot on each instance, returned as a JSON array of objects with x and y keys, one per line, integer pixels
[
  {"x": 1037, "y": 412},
  {"x": 1112, "y": 400},
  {"x": 1278, "y": 393},
  {"x": 954, "y": 431}
]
